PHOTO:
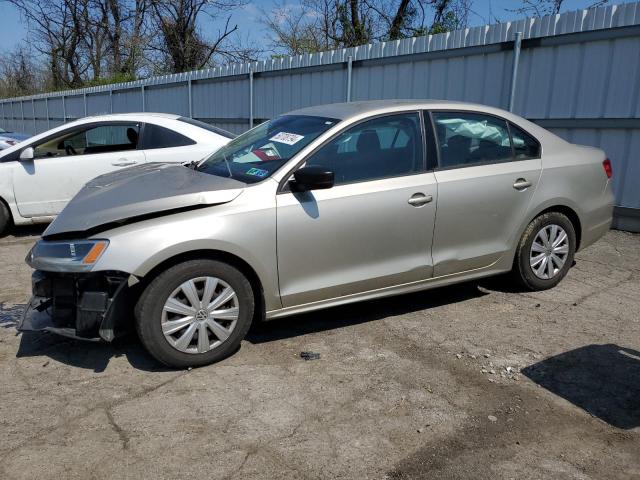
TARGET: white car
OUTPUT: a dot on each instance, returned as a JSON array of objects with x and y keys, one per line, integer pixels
[{"x": 41, "y": 174}]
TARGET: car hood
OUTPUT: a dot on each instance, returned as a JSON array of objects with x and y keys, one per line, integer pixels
[
  {"x": 14, "y": 136},
  {"x": 154, "y": 188}
]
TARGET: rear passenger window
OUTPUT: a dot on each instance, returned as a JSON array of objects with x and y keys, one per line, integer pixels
[
  {"x": 524, "y": 145},
  {"x": 389, "y": 146},
  {"x": 155, "y": 136},
  {"x": 471, "y": 138}
]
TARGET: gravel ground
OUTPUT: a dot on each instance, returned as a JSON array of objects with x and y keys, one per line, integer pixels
[{"x": 470, "y": 381}]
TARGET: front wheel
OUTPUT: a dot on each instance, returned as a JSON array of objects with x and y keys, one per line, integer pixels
[
  {"x": 195, "y": 313},
  {"x": 545, "y": 252},
  {"x": 5, "y": 218}
]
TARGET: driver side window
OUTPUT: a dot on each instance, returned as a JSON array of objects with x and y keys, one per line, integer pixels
[
  {"x": 86, "y": 141},
  {"x": 389, "y": 146}
]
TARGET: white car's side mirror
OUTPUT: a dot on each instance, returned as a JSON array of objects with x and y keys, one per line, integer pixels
[{"x": 27, "y": 154}]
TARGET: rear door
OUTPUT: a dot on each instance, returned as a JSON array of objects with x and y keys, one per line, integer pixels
[
  {"x": 484, "y": 188},
  {"x": 64, "y": 163}
]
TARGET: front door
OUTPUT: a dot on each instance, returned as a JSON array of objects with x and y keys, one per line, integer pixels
[
  {"x": 484, "y": 189},
  {"x": 62, "y": 165},
  {"x": 373, "y": 229}
]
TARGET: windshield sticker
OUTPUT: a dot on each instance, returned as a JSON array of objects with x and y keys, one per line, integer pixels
[
  {"x": 288, "y": 138},
  {"x": 257, "y": 172}
]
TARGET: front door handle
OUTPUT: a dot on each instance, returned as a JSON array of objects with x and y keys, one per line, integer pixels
[
  {"x": 522, "y": 184},
  {"x": 123, "y": 162},
  {"x": 419, "y": 199}
]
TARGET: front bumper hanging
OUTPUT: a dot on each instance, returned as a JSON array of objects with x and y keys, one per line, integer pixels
[{"x": 88, "y": 306}]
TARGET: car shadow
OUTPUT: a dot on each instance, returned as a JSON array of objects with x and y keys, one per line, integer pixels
[
  {"x": 87, "y": 355},
  {"x": 77, "y": 353},
  {"x": 96, "y": 356},
  {"x": 360, "y": 312},
  {"x": 21, "y": 231},
  {"x": 603, "y": 380}
]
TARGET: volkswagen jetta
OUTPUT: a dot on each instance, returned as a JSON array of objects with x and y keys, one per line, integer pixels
[{"x": 320, "y": 207}]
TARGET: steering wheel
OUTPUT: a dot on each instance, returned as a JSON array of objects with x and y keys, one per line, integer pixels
[{"x": 70, "y": 150}]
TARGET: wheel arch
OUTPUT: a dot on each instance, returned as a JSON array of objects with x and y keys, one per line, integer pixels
[
  {"x": 573, "y": 217},
  {"x": 570, "y": 211},
  {"x": 242, "y": 265}
]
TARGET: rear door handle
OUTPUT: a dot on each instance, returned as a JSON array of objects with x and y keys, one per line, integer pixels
[
  {"x": 522, "y": 184},
  {"x": 123, "y": 162},
  {"x": 419, "y": 199}
]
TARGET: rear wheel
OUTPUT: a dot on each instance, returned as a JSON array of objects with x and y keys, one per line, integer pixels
[
  {"x": 195, "y": 313},
  {"x": 5, "y": 218},
  {"x": 545, "y": 252}
]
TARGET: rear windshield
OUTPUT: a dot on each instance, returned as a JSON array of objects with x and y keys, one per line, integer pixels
[
  {"x": 256, "y": 154},
  {"x": 206, "y": 126}
]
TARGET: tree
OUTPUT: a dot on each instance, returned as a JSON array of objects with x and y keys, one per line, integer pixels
[
  {"x": 123, "y": 25},
  {"x": 18, "y": 74},
  {"x": 180, "y": 43},
  {"x": 540, "y": 8},
  {"x": 325, "y": 24},
  {"x": 85, "y": 41}
]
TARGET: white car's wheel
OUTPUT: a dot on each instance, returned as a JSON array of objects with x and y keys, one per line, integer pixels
[{"x": 5, "y": 218}]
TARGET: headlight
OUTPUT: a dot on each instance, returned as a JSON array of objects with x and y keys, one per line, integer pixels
[{"x": 69, "y": 256}]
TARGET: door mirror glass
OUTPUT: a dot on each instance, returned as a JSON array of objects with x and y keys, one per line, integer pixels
[
  {"x": 27, "y": 154},
  {"x": 311, "y": 178}
]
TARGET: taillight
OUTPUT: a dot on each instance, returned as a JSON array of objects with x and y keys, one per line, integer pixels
[{"x": 607, "y": 167}]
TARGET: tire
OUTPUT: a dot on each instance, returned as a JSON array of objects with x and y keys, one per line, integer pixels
[
  {"x": 154, "y": 315},
  {"x": 5, "y": 218},
  {"x": 530, "y": 268}
]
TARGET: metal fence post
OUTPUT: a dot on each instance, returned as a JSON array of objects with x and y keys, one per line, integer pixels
[
  {"x": 250, "y": 97},
  {"x": 190, "y": 100},
  {"x": 46, "y": 104},
  {"x": 110, "y": 101},
  {"x": 142, "y": 91},
  {"x": 33, "y": 110},
  {"x": 514, "y": 72},
  {"x": 84, "y": 97},
  {"x": 349, "y": 74},
  {"x": 64, "y": 110},
  {"x": 22, "y": 110}
]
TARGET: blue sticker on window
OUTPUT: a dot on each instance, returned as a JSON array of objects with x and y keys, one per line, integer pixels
[{"x": 257, "y": 172}]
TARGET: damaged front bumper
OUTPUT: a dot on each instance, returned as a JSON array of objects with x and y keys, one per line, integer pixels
[{"x": 86, "y": 306}]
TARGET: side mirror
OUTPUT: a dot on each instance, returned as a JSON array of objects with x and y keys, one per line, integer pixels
[
  {"x": 311, "y": 178},
  {"x": 27, "y": 154}
]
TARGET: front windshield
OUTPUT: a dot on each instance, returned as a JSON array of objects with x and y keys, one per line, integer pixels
[{"x": 256, "y": 154}]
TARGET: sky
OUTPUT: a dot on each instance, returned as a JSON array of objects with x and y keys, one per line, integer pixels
[{"x": 14, "y": 30}]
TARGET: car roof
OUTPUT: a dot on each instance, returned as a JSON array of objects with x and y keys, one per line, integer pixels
[
  {"x": 345, "y": 111},
  {"x": 131, "y": 116},
  {"x": 354, "y": 111}
]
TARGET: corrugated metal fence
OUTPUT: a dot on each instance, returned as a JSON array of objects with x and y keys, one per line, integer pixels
[{"x": 578, "y": 74}]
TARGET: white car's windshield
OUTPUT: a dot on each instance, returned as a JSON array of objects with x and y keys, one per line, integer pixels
[{"x": 258, "y": 153}]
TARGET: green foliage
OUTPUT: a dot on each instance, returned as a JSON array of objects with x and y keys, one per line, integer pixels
[{"x": 448, "y": 23}]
